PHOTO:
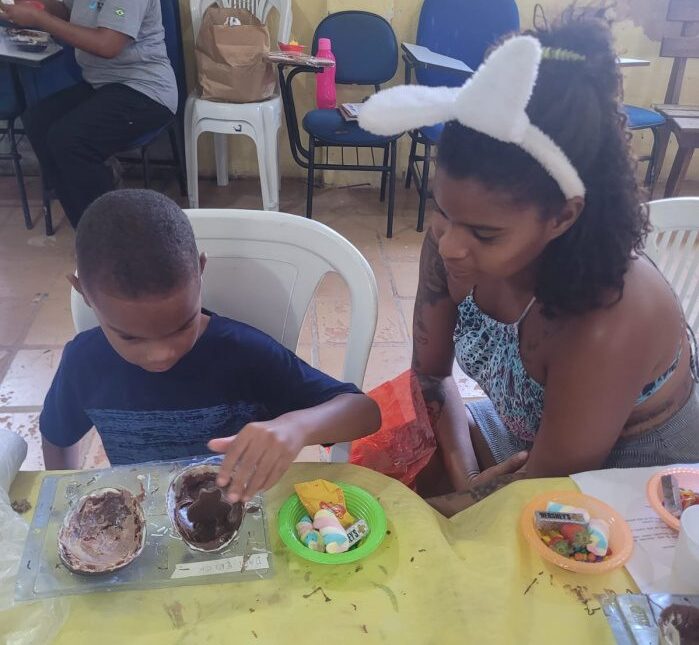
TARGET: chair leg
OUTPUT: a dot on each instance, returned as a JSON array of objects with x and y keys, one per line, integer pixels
[
  {"x": 662, "y": 139},
  {"x": 424, "y": 187},
  {"x": 311, "y": 176},
  {"x": 175, "y": 136},
  {"x": 650, "y": 171},
  {"x": 271, "y": 121},
  {"x": 46, "y": 204},
  {"x": 678, "y": 171},
  {"x": 190, "y": 155},
  {"x": 19, "y": 175},
  {"x": 411, "y": 161},
  {"x": 384, "y": 174},
  {"x": 221, "y": 154},
  {"x": 391, "y": 189},
  {"x": 264, "y": 172},
  {"x": 146, "y": 166}
]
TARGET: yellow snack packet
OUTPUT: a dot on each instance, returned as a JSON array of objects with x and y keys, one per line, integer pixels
[{"x": 324, "y": 494}]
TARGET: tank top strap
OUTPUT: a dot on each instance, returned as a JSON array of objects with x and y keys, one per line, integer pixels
[{"x": 527, "y": 309}]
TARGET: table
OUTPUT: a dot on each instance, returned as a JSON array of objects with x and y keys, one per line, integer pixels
[
  {"x": 433, "y": 581},
  {"x": 633, "y": 62},
  {"x": 10, "y": 54}
]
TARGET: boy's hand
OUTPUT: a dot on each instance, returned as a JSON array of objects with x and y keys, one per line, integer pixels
[
  {"x": 22, "y": 14},
  {"x": 256, "y": 457}
]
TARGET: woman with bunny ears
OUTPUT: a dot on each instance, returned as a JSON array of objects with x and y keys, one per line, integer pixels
[{"x": 532, "y": 273}]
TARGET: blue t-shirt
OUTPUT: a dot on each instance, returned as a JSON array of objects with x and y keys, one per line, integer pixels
[{"x": 233, "y": 375}]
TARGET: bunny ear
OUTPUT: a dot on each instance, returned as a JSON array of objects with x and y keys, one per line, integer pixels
[
  {"x": 494, "y": 101},
  {"x": 407, "y": 107}
]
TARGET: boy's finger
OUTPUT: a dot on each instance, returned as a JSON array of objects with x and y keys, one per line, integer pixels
[
  {"x": 244, "y": 471},
  {"x": 275, "y": 475},
  {"x": 262, "y": 471},
  {"x": 220, "y": 445},
  {"x": 234, "y": 452}
]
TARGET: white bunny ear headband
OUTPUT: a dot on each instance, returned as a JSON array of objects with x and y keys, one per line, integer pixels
[{"x": 493, "y": 102}]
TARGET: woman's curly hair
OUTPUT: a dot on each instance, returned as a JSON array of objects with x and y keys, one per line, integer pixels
[{"x": 577, "y": 103}]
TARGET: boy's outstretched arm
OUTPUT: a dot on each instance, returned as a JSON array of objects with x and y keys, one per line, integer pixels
[
  {"x": 262, "y": 451},
  {"x": 57, "y": 458}
]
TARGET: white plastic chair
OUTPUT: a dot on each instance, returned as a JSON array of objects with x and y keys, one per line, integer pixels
[
  {"x": 674, "y": 247},
  {"x": 259, "y": 121},
  {"x": 263, "y": 268}
]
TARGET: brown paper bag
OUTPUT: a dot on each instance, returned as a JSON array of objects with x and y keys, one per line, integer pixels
[{"x": 231, "y": 63}]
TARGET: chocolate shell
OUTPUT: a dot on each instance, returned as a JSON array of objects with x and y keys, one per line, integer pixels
[
  {"x": 201, "y": 515},
  {"x": 103, "y": 532},
  {"x": 680, "y": 623}
]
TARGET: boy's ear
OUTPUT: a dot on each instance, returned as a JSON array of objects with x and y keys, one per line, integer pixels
[
  {"x": 75, "y": 283},
  {"x": 202, "y": 262},
  {"x": 567, "y": 217}
]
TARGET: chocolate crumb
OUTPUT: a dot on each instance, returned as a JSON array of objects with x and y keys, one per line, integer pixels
[{"x": 21, "y": 506}]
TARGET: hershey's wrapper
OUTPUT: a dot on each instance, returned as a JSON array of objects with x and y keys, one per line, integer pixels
[
  {"x": 548, "y": 521},
  {"x": 358, "y": 531},
  {"x": 671, "y": 494}
]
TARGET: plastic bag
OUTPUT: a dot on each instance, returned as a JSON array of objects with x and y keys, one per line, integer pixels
[
  {"x": 23, "y": 623},
  {"x": 405, "y": 443}
]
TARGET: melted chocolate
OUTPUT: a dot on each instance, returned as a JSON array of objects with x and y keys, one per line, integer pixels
[
  {"x": 204, "y": 519},
  {"x": 104, "y": 532}
]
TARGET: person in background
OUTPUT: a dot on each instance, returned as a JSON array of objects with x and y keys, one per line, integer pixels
[{"x": 128, "y": 90}]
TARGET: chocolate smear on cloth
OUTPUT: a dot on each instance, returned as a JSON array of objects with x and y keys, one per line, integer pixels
[
  {"x": 200, "y": 512},
  {"x": 103, "y": 532}
]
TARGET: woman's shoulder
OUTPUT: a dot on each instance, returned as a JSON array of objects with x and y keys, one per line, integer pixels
[{"x": 646, "y": 306}]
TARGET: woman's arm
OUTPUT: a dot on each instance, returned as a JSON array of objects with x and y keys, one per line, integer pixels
[
  {"x": 99, "y": 41},
  {"x": 591, "y": 387},
  {"x": 433, "y": 357}
]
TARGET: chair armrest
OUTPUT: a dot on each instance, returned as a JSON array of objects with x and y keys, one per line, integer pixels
[
  {"x": 419, "y": 56},
  {"x": 287, "y": 73}
]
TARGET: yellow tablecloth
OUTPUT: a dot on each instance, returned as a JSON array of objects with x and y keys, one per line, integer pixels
[{"x": 471, "y": 579}]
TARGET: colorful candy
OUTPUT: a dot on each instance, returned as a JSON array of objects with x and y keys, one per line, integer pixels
[
  {"x": 570, "y": 532},
  {"x": 308, "y": 535},
  {"x": 333, "y": 534}
]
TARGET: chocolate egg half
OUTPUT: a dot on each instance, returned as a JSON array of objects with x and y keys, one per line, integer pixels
[
  {"x": 105, "y": 531},
  {"x": 200, "y": 514}
]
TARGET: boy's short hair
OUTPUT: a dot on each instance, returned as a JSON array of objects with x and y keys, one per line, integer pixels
[{"x": 135, "y": 243}]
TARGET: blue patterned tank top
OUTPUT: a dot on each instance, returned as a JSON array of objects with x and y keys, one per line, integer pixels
[{"x": 487, "y": 350}]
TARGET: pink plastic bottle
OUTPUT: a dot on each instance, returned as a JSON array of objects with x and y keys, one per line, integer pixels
[{"x": 326, "y": 98}]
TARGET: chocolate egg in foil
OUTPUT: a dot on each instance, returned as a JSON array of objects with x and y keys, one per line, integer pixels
[
  {"x": 201, "y": 515},
  {"x": 103, "y": 532}
]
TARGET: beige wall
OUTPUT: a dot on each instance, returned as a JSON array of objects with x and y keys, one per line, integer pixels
[{"x": 639, "y": 27}]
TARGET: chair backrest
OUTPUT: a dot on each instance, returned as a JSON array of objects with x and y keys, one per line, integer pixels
[
  {"x": 364, "y": 46},
  {"x": 462, "y": 29},
  {"x": 260, "y": 8},
  {"x": 170, "y": 10},
  {"x": 674, "y": 247},
  {"x": 263, "y": 268},
  {"x": 680, "y": 47}
]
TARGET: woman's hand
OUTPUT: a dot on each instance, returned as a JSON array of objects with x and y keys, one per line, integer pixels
[
  {"x": 257, "y": 457},
  {"x": 22, "y": 14},
  {"x": 482, "y": 485}
]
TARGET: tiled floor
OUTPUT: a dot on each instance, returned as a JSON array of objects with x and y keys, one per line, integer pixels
[{"x": 35, "y": 320}]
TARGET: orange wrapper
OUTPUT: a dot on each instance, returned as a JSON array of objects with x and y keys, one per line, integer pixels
[{"x": 324, "y": 494}]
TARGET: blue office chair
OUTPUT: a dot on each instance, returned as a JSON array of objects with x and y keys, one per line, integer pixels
[
  {"x": 11, "y": 107},
  {"x": 174, "y": 128},
  {"x": 460, "y": 29},
  {"x": 366, "y": 53},
  {"x": 639, "y": 118}
]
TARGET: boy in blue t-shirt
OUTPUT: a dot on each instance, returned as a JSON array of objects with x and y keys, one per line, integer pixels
[{"x": 162, "y": 379}]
